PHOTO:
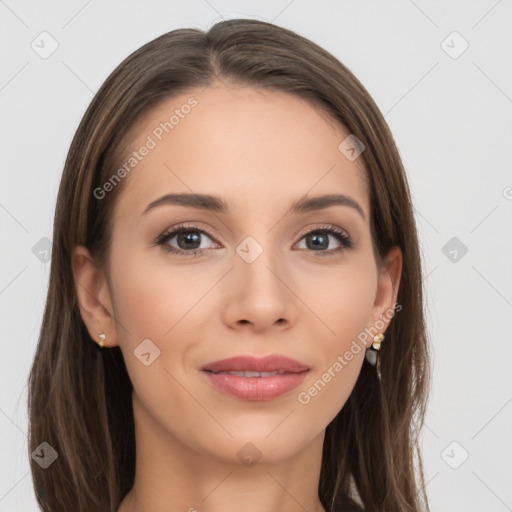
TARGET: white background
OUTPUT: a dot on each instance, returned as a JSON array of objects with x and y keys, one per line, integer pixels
[{"x": 451, "y": 118}]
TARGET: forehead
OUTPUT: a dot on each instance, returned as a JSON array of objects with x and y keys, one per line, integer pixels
[{"x": 250, "y": 145}]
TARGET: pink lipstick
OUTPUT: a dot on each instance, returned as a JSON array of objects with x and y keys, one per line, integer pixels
[{"x": 258, "y": 379}]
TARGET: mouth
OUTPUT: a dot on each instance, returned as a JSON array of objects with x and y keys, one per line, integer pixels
[{"x": 256, "y": 379}]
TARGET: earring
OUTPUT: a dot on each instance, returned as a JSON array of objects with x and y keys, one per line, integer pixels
[
  {"x": 102, "y": 339},
  {"x": 372, "y": 351},
  {"x": 377, "y": 340}
]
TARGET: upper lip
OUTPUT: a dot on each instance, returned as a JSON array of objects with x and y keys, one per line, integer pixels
[{"x": 257, "y": 364}]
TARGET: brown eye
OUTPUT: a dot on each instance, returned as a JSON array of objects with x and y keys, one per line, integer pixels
[
  {"x": 319, "y": 240},
  {"x": 185, "y": 240}
]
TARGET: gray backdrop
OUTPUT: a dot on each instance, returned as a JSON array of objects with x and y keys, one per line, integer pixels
[{"x": 441, "y": 74}]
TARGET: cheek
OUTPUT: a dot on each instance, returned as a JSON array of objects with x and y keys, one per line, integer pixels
[
  {"x": 155, "y": 300},
  {"x": 151, "y": 296},
  {"x": 164, "y": 303},
  {"x": 343, "y": 301}
]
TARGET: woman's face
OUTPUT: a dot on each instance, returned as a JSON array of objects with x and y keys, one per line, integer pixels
[{"x": 269, "y": 277}]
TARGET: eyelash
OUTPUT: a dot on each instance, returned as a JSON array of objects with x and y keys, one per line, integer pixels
[{"x": 343, "y": 238}]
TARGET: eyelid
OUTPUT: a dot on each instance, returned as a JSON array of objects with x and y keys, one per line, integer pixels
[{"x": 323, "y": 227}]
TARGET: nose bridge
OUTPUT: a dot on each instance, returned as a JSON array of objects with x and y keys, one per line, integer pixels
[
  {"x": 258, "y": 294},
  {"x": 257, "y": 264}
]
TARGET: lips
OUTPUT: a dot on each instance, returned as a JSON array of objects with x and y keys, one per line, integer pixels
[
  {"x": 252, "y": 365},
  {"x": 257, "y": 379}
]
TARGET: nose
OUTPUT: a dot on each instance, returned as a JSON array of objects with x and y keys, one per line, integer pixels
[{"x": 259, "y": 295}]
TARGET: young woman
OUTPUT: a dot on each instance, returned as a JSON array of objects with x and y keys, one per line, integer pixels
[{"x": 233, "y": 235}]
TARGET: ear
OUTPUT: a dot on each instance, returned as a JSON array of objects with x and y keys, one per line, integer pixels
[
  {"x": 93, "y": 295},
  {"x": 390, "y": 273}
]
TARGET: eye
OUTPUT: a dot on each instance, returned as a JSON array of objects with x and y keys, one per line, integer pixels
[
  {"x": 190, "y": 240},
  {"x": 187, "y": 238},
  {"x": 318, "y": 240}
]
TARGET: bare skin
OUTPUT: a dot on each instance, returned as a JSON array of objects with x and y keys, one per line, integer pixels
[{"x": 261, "y": 151}]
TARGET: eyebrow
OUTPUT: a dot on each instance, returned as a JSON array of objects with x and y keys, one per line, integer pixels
[{"x": 218, "y": 205}]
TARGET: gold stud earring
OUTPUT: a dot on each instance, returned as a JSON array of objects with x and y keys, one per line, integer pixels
[
  {"x": 102, "y": 340},
  {"x": 372, "y": 352},
  {"x": 377, "y": 341}
]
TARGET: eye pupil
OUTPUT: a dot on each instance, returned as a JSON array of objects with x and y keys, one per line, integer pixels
[
  {"x": 318, "y": 240},
  {"x": 189, "y": 236}
]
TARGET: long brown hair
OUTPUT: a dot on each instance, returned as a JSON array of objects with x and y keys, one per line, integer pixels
[{"x": 80, "y": 396}]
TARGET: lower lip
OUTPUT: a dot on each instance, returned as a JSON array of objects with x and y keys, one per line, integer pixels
[{"x": 255, "y": 388}]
